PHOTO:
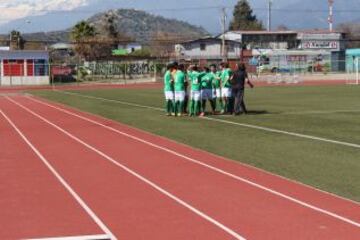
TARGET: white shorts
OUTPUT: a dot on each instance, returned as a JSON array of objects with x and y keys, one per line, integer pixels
[
  {"x": 207, "y": 94},
  {"x": 195, "y": 95},
  {"x": 226, "y": 92},
  {"x": 180, "y": 96},
  {"x": 218, "y": 93},
  {"x": 169, "y": 95}
]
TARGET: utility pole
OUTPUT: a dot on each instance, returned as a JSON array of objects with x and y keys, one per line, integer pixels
[
  {"x": 223, "y": 25},
  {"x": 269, "y": 15},
  {"x": 331, "y": 15}
]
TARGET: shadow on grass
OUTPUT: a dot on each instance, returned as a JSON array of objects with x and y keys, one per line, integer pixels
[{"x": 260, "y": 112}]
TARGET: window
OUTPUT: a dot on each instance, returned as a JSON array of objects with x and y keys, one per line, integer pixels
[
  {"x": 202, "y": 46},
  {"x": 231, "y": 47},
  {"x": 40, "y": 67},
  {"x": 13, "y": 67}
]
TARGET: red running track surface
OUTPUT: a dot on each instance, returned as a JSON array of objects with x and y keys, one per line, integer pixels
[
  {"x": 146, "y": 187},
  {"x": 33, "y": 204}
]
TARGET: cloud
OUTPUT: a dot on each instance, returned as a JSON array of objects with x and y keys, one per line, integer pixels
[{"x": 17, "y": 9}]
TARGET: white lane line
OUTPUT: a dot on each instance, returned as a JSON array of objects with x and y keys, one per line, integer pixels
[
  {"x": 321, "y": 112},
  {"x": 110, "y": 100},
  {"x": 84, "y": 237},
  {"x": 88, "y": 210},
  {"x": 353, "y": 145},
  {"x": 266, "y": 129},
  {"x": 156, "y": 146},
  {"x": 198, "y": 162},
  {"x": 135, "y": 174}
]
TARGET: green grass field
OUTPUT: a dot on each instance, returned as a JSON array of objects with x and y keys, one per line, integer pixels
[{"x": 326, "y": 112}]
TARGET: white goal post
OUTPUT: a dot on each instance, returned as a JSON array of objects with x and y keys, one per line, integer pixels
[{"x": 353, "y": 74}]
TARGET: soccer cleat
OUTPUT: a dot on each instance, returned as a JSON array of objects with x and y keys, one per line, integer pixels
[{"x": 202, "y": 114}]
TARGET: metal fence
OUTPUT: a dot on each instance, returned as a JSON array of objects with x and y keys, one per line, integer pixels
[{"x": 116, "y": 72}]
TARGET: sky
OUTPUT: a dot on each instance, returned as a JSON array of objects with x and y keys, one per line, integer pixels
[
  {"x": 16, "y": 9},
  {"x": 58, "y": 14}
]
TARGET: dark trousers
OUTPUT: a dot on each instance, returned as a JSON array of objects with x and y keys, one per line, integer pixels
[{"x": 239, "y": 105}]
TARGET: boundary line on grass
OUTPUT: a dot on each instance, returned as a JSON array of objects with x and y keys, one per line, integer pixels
[
  {"x": 72, "y": 192},
  {"x": 267, "y": 129},
  {"x": 135, "y": 174},
  {"x": 256, "y": 185}
]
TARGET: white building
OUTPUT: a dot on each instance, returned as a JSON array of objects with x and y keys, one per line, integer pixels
[
  {"x": 207, "y": 48},
  {"x": 264, "y": 39},
  {"x": 24, "y": 68}
]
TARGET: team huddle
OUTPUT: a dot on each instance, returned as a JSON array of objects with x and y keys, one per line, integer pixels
[{"x": 221, "y": 87}]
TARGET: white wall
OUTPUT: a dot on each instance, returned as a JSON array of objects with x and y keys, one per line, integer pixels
[
  {"x": 213, "y": 50},
  {"x": 18, "y": 81}
]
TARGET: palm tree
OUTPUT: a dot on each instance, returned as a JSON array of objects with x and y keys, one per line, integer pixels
[
  {"x": 82, "y": 34},
  {"x": 82, "y": 31}
]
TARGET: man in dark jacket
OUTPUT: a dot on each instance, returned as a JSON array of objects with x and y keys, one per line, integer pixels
[{"x": 238, "y": 81}]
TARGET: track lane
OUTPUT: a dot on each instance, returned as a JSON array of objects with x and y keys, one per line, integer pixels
[
  {"x": 130, "y": 208},
  {"x": 33, "y": 203},
  {"x": 227, "y": 203},
  {"x": 334, "y": 203}
]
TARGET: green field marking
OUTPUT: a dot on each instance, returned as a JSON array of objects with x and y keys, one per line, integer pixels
[{"x": 330, "y": 167}]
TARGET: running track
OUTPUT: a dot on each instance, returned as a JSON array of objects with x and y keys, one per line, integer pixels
[{"x": 68, "y": 173}]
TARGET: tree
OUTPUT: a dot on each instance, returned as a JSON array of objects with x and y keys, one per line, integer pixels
[
  {"x": 243, "y": 18},
  {"x": 16, "y": 40},
  {"x": 82, "y": 31},
  {"x": 83, "y": 34}
]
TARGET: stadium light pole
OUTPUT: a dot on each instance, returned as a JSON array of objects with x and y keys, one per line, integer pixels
[
  {"x": 223, "y": 25},
  {"x": 331, "y": 15},
  {"x": 270, "y": 2}
]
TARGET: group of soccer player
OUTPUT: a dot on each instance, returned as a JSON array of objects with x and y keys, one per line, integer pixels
[{"x": 211, "y": 84}]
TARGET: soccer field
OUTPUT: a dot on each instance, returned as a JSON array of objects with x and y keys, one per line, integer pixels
[{"x": 308, "y": 134}]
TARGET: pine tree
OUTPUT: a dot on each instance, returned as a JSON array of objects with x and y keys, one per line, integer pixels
[{"x": 244, "y": 19}]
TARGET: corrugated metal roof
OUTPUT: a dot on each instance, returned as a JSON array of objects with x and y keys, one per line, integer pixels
[{"x": 24, "y": 54}]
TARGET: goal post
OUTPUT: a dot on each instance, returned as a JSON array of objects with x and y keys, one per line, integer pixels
[{"x": 353, "y": 72}]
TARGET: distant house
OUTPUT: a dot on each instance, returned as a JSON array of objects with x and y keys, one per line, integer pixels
[
  {"x": 24, "y": 68},
  {"x": 264, "y": 39},
  {"x": 333, "y": 43},
  {"x": 207, "y": 49}
]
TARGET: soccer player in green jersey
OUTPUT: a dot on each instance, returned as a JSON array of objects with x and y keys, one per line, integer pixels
[
  {"x": 216, "y": 86},
  {"x": 179, "y": 85},
  {"x": 195, "y": 96},
  {"x": 169, "y": 90},
  {"x": 226, "y": 87},
  {"x": 207, "y": 93}
]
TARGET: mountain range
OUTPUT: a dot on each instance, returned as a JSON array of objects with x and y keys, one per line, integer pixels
[{"x": 296, "y": 14}]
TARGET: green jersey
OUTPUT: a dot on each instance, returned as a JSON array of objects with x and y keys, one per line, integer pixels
[
  {"x": 225, "y": 78},
  {"x": 217, "y": 79},
  {"x": 168, "y": 84},
  {"x": 180, "y": 81},
  {"x": 195, "y": 80},
  {"x": 207, "y": 80}
]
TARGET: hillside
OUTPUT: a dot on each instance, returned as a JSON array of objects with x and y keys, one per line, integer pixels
[
  {"x": 143, "y": 26},
  {"x": 139, "y": 25}
]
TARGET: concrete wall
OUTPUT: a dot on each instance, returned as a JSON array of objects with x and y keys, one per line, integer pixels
[
  {"x": 18, "y": 81},
  {"x": 213, "y": 50}
]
